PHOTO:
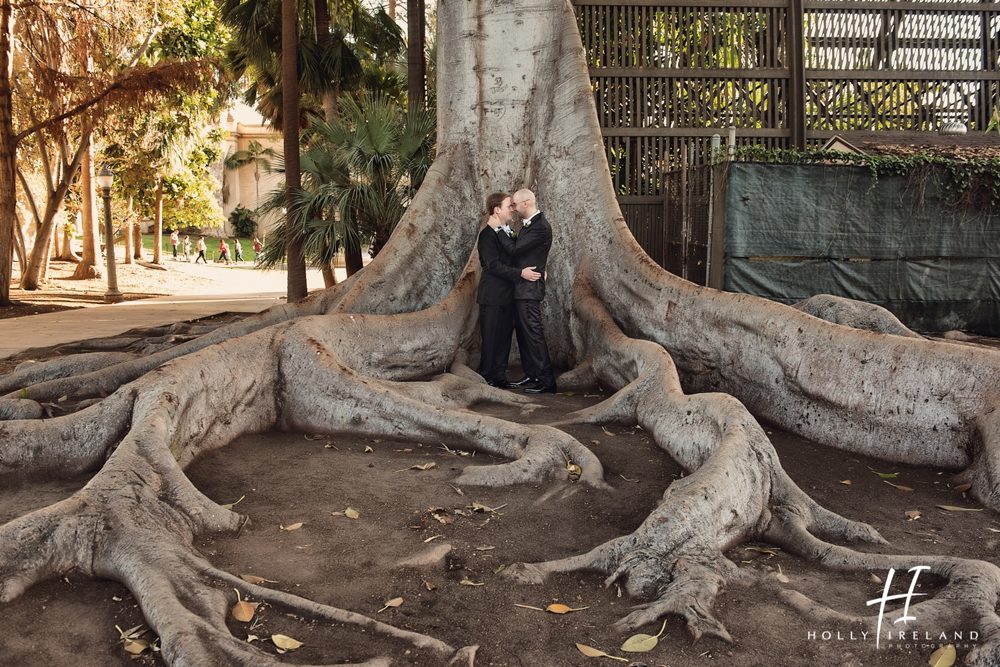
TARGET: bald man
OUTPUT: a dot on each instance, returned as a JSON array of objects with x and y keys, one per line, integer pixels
[{"x": 530, "y": 250}]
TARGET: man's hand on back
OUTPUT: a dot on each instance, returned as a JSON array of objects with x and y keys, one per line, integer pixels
[{"x": 529, "y": 274}]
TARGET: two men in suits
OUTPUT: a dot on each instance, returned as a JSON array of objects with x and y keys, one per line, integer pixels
[{"x": 511, "y": 291}]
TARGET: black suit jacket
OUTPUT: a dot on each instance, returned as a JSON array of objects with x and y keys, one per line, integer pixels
[
  {"x": 496, "y": 284},
  {"x": 530, "y": 248}
]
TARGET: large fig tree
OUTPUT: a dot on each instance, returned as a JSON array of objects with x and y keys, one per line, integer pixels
[{"x": 388, "y": 353}]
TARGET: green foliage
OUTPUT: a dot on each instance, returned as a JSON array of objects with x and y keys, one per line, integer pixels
[
  {"x": 973, "y": 182},
  {"x": 243, "y": 221},
  {"x": 359, "y": 174}
]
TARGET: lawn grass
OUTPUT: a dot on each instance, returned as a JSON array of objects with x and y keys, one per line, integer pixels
[{"x": 148, "y": 241}]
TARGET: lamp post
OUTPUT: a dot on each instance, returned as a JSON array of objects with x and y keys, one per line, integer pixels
[{"x": 105, "y": 180}]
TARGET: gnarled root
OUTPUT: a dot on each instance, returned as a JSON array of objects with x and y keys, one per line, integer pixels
[
  {"x": 855, "y": 314},
  {"x": 675, "y": 558},
  {"x": 967, "y": 601}
]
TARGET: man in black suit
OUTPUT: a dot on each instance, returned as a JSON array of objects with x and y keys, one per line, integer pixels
[
  {"x": 530, "y": 250},
  {"x": 496, "y": 290}
]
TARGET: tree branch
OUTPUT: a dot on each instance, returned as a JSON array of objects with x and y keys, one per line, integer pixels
[{"x": 79, "y": 108}]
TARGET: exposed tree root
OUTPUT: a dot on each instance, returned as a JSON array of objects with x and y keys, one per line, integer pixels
[{"x": 386, "y": 353}]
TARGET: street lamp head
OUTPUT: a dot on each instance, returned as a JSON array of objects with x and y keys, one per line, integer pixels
[{"x": 105, "y": 179}]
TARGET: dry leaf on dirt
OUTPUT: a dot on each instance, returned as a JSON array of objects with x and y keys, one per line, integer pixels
[
  {"x": 391, "y": 604},
  {"x": 528, "y": 606},
  {"x": 592, "y": 652},
  {"x": 897, "y": 486},
  {"x": 243, "y": 611},
  {"x": 428, "y": 585},
  {"x": 885, "y": 475},
  {"x": 574, "y": 471},
  {"x": 136, "y": 646},
  {"x": 642, "y": 643},
  {"x": 845, "y": 482},
  {"x": 469, "y": 582},
  {"x": 351, "y": 513},
  {"x": 290, "y": 527},
  {"x": 607, "y": 432},
  {"x": 285, "y": 642},
  {"x": 423, "y": 466},
  {"x": 229, "y": 506},
  {"x": 557, "y": 608},
  {"x": 952, "y": 508},
  {"x": 912, "y": 515},
  {"x": 943, "y": 657},
  {"x": 369, "y": 449}
]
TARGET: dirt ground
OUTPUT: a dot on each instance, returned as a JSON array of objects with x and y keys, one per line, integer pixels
[{"x": 286, "y": 478}]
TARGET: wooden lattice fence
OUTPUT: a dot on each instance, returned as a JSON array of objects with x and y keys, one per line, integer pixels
[{"x": 668, "y": 74}]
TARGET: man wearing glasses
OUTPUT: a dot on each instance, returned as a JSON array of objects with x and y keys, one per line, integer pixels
[{"x": 530, "y": 250}]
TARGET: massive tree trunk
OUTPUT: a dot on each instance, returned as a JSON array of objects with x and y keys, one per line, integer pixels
[{"x": 387, "y": 354}]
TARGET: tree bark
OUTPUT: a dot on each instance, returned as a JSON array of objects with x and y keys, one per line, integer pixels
[
  {"x": 127, "y": 233},
  {"x": 8, "y": 157},
  {"x": 90, "y": 255},
  {"x": 297, "y": 288},
  {"x": 158, "y": 222}
]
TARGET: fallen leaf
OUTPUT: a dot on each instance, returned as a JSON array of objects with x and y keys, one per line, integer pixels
[
  {"x": 641, "y": 643},
  {"x": 351, "y": 513},
  {"x": 874, "y": 578},
  {"x": 574, "y": 471},
  {"x": 423, "y": 466},
  {"x": 136, "y": 646},
  {"x": 457, "y": 490},
  {"x": 885, "y": 475},
  {"x": 289, "y": 528},
  {"x": 369, "y": 449},
  {"x": 469, "y": 582},
  {"x": 229, "y": 506},
  {"x": 485, "y": 547},
  {"x": 285, "y": 642},
  {"x": 897, "y": 486},
  {"x": 557, "y": 608},
  {"x": 943, "y": 657},
  {"x": 428, "y": 585},
  {"x": 479, "y": 507},
  {"x": 952, "y": 508},
  {"x": 391, "y": 604},
  {"x": 607, "y": 432},
  {"x": 763, "y": 550},
  {"x": 252, "y": 638},
  {"x": 254, "y": 579},
  {"x": 912, "y": 515},
  {"x": 432, "y": 538},
  {"x": 528, "y": 606},
  {"x": 592, "y": 652},
  {"x": 243, "y": 611},
  {"x": 845, "y": 482}
]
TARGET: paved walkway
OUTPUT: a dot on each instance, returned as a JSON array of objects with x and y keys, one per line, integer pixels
[
  {"x": 21, "y": 333},
  {"x": 238, "y": 290}
]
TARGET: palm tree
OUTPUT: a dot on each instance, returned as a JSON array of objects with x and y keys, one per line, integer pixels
[
  {"x": 357, "y": 178},
  {"x": 257, "y": 155}
]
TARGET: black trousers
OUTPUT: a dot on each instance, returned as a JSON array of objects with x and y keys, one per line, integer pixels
[
  {"x": 531, "y": 340},
  {"x": 495, "y": 326}
]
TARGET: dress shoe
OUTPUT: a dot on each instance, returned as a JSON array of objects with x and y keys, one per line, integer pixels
[
  {"x": 525, "y": 381},
  {"x": 540, "y": 389},
  {"x": 499, "y": 384}
]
